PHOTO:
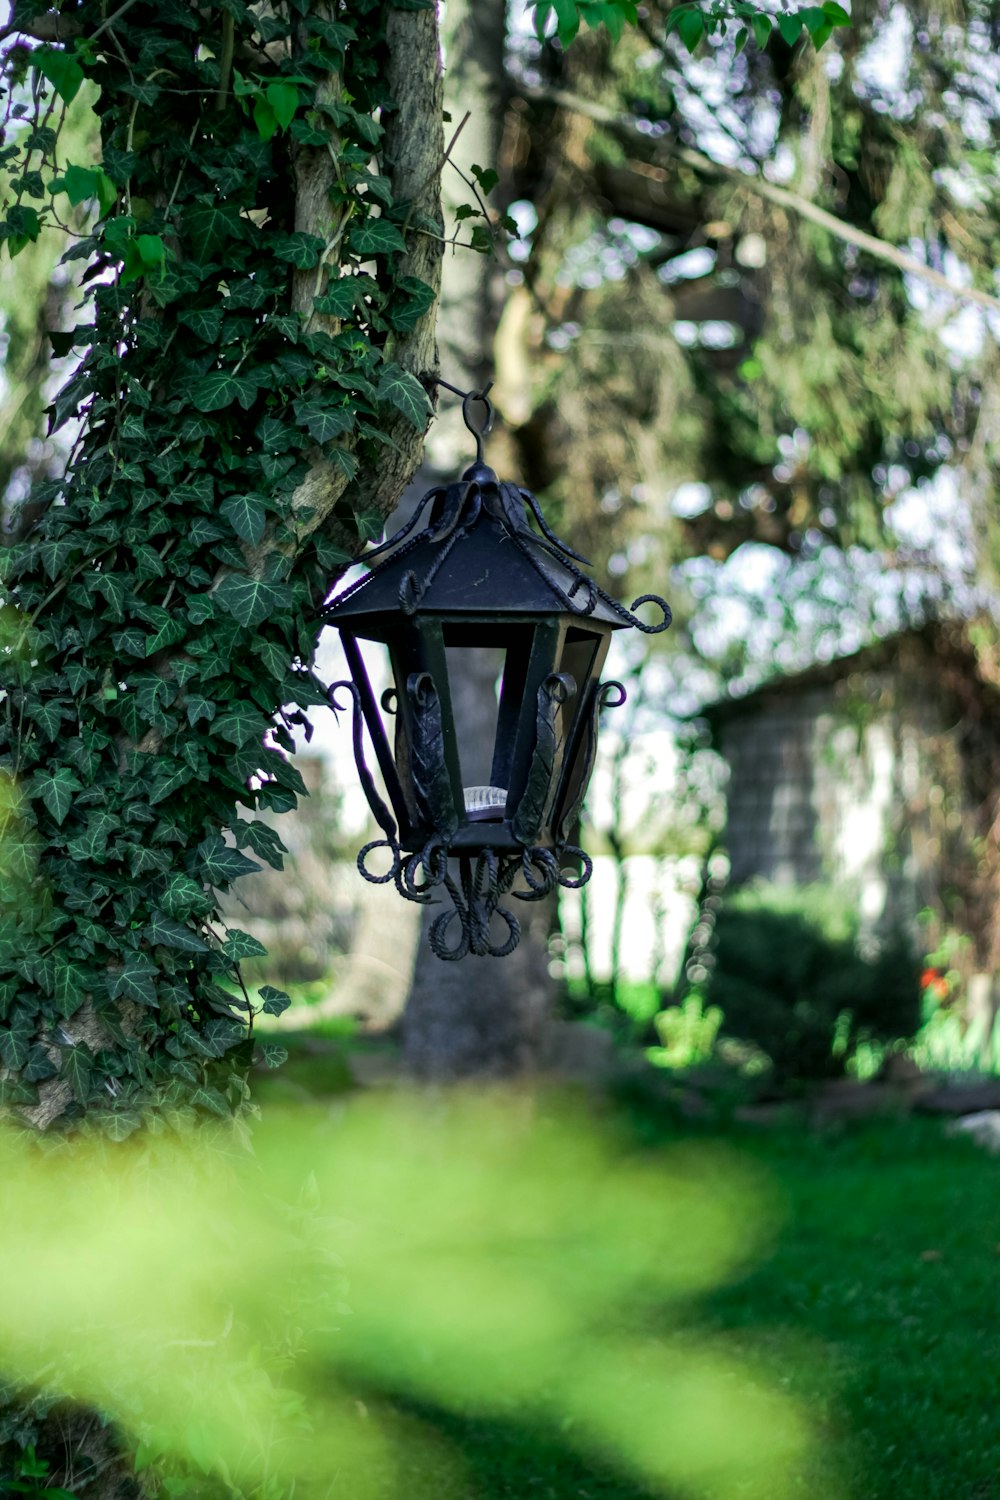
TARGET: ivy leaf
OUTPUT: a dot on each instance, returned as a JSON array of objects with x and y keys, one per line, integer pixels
[
  {"x": 760, "y": 25},
  {"x": 56, "y": 790},
  {"x": 119, "y": 1124},
  {"x": 402, "y": 390},
  {"x": 167, "y": 783},
  {"x": 322, "y": 422},
  {"x": 375, "y": 237},
  {"x": 39, "y": 1066},
  {"x": 240, "y": 945},
  {"x": 204, "y": 322},
  {"x": 169, "y": 631},
  {"x": 220, "y": 864},
  {"x": 204, "y": 531},
  {"x": 222, "y": 388},
  {"x": 335, "y": 33},
  {"x": 251, "y": 600},
  {"x": 790, "y": 27},
  {"x": 284, "y": 101},
  {"x": 272, "y": 1054},
  {"x": 47, "y": 715},
  {"x": 93, "y": 842},
  {"x": 275, "y": 659},
  {"x": 567, "y": 21},
  {"x": 691, "y": 28},
  {"x": 141, "y": 256},
  {"x": 370, "y": 525},
  {"x": 182, "y": 1067},
  {"x": 69, "y": 987},
  {"x": 264, "y": 118},
  {"x": 183, "y": 896},
  {"x": 222, "y": 1036},
  {"x": 300, "y": 249},
  {"x": 80, "y": 184},
  {"x": 137, "y": 981},
  {"x": 142, "y": 860},
  {"x": 276, "y": 1002},
  {"x": 15, "y": 1046},
  {"x": 240, "y": 726},
  {"x": 114, "y": 588},
  {"x": 420, "y": 297},
  {"x": 346, "y": 462},
  {"x": 340, "y": 297},
  {"x": 210, "y": 225},
  {"x": 166, "y": 932},
  {"x": 199, "y": 708},
  {"x": 287, "y": 324},
  {"x": 61, "y": 69},
  {"x": 275, "y": 434},
  {"x": 77, "y": 1070},
  {"x": 212, "y": 1100},
  {"x": 53, "y": 555},
  {"x": 264, "y": 841},
  {"x": 245, "y": 513},
  {"x": 19, "y": 851}
]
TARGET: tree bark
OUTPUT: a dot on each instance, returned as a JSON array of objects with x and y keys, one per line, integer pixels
[{"x": 482, "y": 1017}]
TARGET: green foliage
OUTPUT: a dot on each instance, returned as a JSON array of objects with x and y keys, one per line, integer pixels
[
  {"x": 694, "y": 23},
  {"x": 788, "y": 973},
  {"x": 230, "y": 1312},
  {"x": 687, "y": 1033},
  {"x": 165, "y": 603}
]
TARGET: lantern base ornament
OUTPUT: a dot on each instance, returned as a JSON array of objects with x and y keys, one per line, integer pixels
[
  {"x": 483, "y": 881},
  {"x": 484, "y": 574},
  {"x": 485, "y": 875}
]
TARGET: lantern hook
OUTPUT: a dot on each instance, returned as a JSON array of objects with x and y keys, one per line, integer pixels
[{"x": 481, "y": 431}]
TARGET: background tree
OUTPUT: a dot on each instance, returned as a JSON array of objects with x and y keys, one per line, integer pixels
[{"x": 475, "y": 1017}]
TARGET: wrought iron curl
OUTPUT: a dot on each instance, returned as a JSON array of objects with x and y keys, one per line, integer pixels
[
  {"x": 412, "y": 591},
  {"x": 610, "y": 694},
  {"x": 392, "y": 873},
  {"x": 475, "y": 903},
  {"x": 633, "y": 619},
  {"x": 431, "y": 862},
  {"x": 557, "y": 542},
  {"x": 383, "y": 816},
  {"x": 578, "y": 856}
]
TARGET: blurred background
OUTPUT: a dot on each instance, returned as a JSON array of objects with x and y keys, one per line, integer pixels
[
  {"x": 744, "y": 345},
  {"x": 789, "y": 426},
  {"x": 741, "y": 312}
]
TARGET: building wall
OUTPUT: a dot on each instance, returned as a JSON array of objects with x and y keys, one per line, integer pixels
[{"x": 829, "y": 784}]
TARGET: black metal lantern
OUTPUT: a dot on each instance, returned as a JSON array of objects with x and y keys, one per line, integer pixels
[{"x": 479, "y": 575}]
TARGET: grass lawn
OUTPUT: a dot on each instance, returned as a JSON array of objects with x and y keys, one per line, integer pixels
[
  {"x": 875, "y": 1304},
  {"x": 879, "y": 1307}
]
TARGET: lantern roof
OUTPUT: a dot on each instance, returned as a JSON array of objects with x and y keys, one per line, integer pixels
[{"x": 478, "y": 554}]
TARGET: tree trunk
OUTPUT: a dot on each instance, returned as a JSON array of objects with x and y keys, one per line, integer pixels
[{"x": 482, "y": 1017}]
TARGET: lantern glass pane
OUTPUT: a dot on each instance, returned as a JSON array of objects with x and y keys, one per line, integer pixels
[{"x": 487, "y": 669}]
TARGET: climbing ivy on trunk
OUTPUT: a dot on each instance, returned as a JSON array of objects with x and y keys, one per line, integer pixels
[{"x": 254, "y": 356}]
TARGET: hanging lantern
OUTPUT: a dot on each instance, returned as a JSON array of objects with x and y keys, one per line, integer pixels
[{"x": 479, "y": 574}]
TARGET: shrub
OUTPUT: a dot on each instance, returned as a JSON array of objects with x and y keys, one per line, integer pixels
[{"x": 790, "y": 976}]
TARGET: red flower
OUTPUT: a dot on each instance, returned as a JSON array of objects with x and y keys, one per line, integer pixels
[{"x": 934, "y": 982}]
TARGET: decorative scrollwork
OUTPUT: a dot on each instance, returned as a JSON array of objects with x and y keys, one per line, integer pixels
[
  {"x": 609, "y": 694},
  {"x": 483, "y": 882}
]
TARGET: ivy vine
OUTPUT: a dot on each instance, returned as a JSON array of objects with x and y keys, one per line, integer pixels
[{"x": 165, "y": 603}]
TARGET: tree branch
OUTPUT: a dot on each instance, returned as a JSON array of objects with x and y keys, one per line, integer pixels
[{"x": 785, "y": 197}]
